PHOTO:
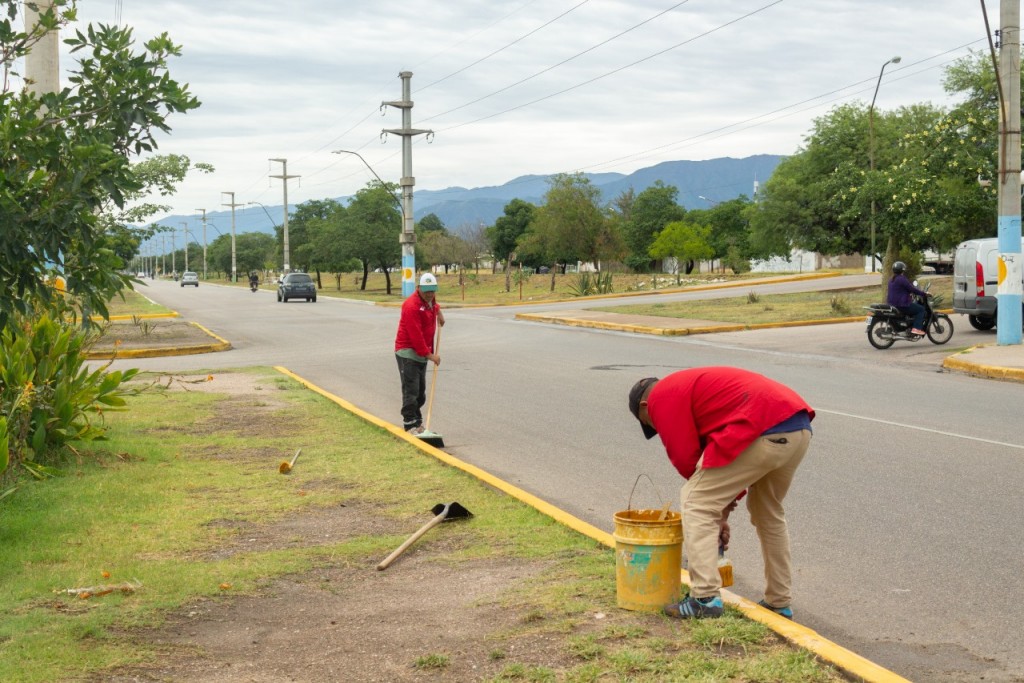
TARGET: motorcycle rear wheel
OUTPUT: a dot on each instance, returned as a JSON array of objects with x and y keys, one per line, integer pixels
[
  {"x": 880, "y": 334},
  {"x": 940, "y": 329}
]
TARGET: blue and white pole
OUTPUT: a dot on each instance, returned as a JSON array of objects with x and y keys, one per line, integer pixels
[
  {"x": 1011, "y": 272},
  {"x": 1011, "y": 281}
]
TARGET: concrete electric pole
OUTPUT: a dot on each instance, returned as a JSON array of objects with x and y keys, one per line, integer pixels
[
  {"x": 204, "y": 241},
  {"x": 1011, "y": 270},
  {"x": 284, "y": 226},
  {"x": 234, "y": 264},
  {"x": 184, "y": 229},
  {"x": 408, "y": 237},
  {"x": 42, "y": 63}
]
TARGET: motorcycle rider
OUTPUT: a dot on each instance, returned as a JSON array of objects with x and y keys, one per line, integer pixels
[
  {"x": 254, "y": 279},
  {"x": 901, "y": 292}
]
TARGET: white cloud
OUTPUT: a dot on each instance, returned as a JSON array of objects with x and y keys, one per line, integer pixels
[{"x": 300, "y": 79}]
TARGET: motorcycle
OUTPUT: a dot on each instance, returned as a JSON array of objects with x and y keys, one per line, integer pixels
[
  {"x": 253, "y": 285},
  {"x": 887, "y": 324}
]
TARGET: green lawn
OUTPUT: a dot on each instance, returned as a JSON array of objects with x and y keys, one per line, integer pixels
[{"x": 773, "y": 308}]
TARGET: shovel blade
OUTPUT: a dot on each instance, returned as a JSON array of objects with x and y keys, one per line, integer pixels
[{"x": 454, "y": 511}]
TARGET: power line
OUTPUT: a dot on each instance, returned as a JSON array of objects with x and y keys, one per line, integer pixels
[{"x": 610, "y": 73}]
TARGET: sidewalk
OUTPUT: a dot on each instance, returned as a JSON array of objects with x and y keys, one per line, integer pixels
[{"x": 985, "y": 360}]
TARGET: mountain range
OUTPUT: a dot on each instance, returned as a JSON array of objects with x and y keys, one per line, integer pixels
[{"x": 701, "y": 184}]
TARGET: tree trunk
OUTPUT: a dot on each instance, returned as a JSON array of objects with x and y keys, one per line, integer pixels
[
  {"x": 508, "y": 275},
  {"x": 366, "y": 275}
]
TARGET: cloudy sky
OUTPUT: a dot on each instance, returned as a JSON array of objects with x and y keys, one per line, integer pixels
[{"x": 516, "y": 87}]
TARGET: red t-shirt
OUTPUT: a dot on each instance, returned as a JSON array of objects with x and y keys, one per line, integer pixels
[
  {"x": 717, "y": 412},
  {"x": 416, "y": 325}
]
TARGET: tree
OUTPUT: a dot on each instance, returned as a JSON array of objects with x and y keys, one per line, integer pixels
[
  {"x": 430, "y": 223},
  {"x": 301, "y": 225},
  {"x": 685, "y": 242},
  {"x": 371, "y": 226},
  {"x": 506, "y": 231},
  {"x": 254, "y": 251},
  {"x": 730, "y": 231},
  {"x": 64, "y": 158},
  {"x": 570, "y": 226},
  {"x": 649, "y": 213}
]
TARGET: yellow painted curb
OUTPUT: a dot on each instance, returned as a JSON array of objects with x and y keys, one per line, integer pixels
[
  {"x": 220, "y": 345},
  {"x": 674, "y": 331},
  {"x": 850, "y": 662},
  {"x": 955, "y": 362}
]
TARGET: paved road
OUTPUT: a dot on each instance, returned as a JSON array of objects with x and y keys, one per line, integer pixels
[{"x": 905, "y": 517}]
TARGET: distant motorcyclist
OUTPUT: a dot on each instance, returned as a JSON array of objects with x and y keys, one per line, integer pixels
[
  {"x": 901, "y": 291},
  {"x": 254, "y": 280}
]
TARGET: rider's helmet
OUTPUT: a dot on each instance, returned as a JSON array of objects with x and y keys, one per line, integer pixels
[{"x": 899, "y": 267}]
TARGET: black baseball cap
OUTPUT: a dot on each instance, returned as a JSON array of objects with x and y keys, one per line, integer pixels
[{"x": 635, "y": 395}]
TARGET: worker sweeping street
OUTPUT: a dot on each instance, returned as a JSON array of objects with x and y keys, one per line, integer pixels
[
  {"x": 730, "y": 433},
  {"x": 414, "y": 348}
]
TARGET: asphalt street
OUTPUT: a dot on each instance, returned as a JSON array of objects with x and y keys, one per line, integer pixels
[{"x": 905, "y": 517}]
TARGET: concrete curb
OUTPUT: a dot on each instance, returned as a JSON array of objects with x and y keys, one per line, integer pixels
[
  {"x": 959, "y": 364},
  {"x": 219, "y": 345},
  {"x": 843, "y": 659}
]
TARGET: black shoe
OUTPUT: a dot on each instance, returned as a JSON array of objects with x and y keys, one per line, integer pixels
[{"x": 696, "y": 608}]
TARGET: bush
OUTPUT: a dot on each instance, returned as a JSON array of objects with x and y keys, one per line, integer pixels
[
  {"x": 48, "y": 396},
  {"x": 589, "y": 284}
]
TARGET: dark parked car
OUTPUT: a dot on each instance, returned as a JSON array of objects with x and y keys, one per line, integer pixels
[{"x": 297, "y": 286}]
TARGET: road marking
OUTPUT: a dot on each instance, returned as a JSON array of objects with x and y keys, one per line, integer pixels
[{"x": 921, "y": 429}]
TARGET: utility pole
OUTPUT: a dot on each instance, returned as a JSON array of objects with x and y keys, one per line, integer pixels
[
  {"x": 284, "y": 226},
  {"x": 234, "y": 265},
  {"x": 174, "y": 256},
  {"x": 42, "y": 63},
  {"x": 204, "y": 241},
  {"x": 184, "y": 227},
  {"x": 163, "y": 255},
  {"x": 408, "y": 237},
  {"x": 1008, "y": 295}
]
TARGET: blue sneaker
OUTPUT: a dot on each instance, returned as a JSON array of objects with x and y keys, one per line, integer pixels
[
  {"x": 781, "y": 611},
  {"x": 696, "y": 608}
]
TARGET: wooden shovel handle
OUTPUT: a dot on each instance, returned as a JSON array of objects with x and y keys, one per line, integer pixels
[{"x": 412, "y": 539}]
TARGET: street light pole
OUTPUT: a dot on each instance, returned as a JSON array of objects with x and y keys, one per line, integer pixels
[
  {"x": 871, "y": 152},
  {"x": 284, "y": 226},
  {"x": 234, "y": 264},
  {"x": 381, "y": 180}
]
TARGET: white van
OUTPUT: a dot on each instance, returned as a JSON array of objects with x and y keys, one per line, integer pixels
[{"x": 976, "y": 281}]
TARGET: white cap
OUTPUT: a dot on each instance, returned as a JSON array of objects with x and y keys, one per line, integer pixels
[{"x": 428, "y": 283}]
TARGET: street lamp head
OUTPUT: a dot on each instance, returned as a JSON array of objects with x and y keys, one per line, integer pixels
[
  {"x": 895, "y": 60},
  {"x": 277, "y": 159}
]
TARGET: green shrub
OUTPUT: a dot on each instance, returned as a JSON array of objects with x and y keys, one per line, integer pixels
[
  {"x": 48, "y": 396},
  {"x": 840, "y": 305},
  {"x": 589, "y": 284}
]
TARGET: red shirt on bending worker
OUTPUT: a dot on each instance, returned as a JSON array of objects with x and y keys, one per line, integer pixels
[{"x": 729, "y": 432}]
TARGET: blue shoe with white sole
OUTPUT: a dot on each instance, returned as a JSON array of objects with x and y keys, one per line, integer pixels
[{"x": 781, "y": 611}]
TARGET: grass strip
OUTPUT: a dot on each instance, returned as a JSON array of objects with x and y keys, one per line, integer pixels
[{"x": 189, "y": 478}]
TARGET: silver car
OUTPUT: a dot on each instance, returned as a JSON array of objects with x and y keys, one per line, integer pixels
[
  {"x": 189, "y": 278},
  {"x": 297, "y": 286}
]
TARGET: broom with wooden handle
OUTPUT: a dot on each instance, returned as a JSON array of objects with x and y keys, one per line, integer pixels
[{"x": 426, "y": 435}]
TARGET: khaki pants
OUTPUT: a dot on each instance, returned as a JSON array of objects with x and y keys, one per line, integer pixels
[{"x": 766, "y": 470}]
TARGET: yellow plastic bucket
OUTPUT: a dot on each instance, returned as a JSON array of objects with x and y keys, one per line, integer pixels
[{"x": 648, "y": 557}]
